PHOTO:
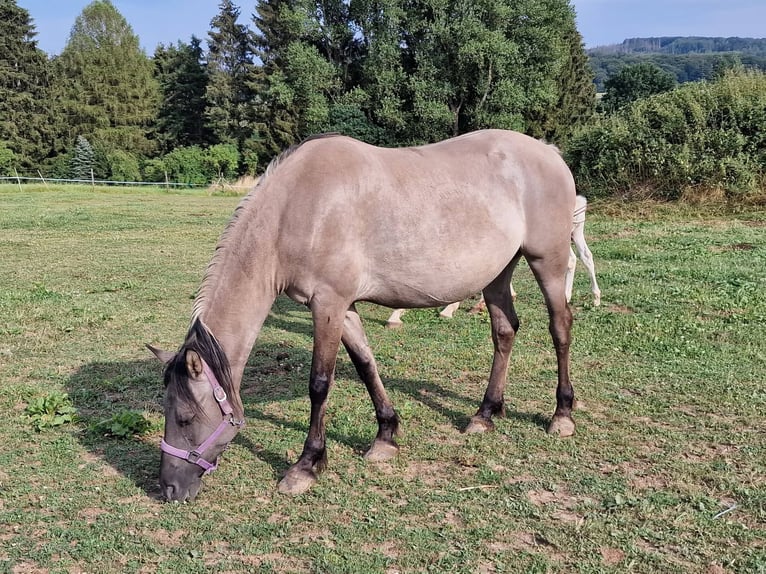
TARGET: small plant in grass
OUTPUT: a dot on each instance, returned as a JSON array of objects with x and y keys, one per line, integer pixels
[
  {"x": 124, "y": 424},
  {"x": 50, "y": 411}
]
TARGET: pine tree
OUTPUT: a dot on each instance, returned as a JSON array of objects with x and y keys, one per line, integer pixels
[
  {"x": 311, "y": 69},
  {"x": 106, "y": 90},
  {"x": 182, "y": 77},
  {"x": 24, "y": 125},
  {"x": 229, "y": 63},
  {"x": 576, "y": 101},
  {"x": 83, "y": 159}
]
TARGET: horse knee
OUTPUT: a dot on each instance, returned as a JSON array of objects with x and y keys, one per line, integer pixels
[{"x": 319, "y": 388}]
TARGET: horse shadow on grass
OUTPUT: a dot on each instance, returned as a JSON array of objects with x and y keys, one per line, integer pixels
[{"x": 274, "y": 373}]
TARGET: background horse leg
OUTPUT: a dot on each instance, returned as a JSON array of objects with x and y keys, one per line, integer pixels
[
  {"x": 578, "y": 236},
  {"x": 328, "y": 327},
  {"x": 505, "y": 324},
  {"x": 395, "y": 320},
  {"x": 549, "y": 278},
  {"x": 571, "y": 265},
  {"x": 384, "y": 446},
  {"x": 449, "y": 310}
]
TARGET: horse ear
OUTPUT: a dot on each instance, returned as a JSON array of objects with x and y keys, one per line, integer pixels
[
  {"x": 164, "y": 356},
  {"x": 194, "y": 364}
]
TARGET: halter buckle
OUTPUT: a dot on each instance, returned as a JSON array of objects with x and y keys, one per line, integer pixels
[
  {"x": 193, "y": 456},
  {"x": 219, "y": 394}
]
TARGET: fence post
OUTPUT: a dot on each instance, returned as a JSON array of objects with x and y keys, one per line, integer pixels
[
  {"x": 18, "y": 179},
  {"x": 45, "y": 183}
]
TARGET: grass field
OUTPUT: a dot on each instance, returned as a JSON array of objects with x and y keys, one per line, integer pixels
[{"x": 666, "y": 474}]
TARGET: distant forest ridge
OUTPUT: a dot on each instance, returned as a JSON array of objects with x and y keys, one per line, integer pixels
[
  {"x": 684, "y": 45},
  {"x": 688, "y": 58}
]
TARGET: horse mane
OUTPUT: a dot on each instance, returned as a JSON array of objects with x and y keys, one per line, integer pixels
[
  {"x": 200, "y": 340},
  {"x": 204, "y": 291}
]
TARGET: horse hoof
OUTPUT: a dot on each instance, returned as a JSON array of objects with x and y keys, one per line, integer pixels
[
  {"x": 393, "y": 324},
  {"x": 296, "y": 482},
  {"x": 445, "y": 315},
  {"x": 381, "y": 451},
  {"x": 562, "y": 426},
  {"x": 479, "y": 425}
]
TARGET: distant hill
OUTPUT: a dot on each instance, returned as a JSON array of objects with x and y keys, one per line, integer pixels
[{"x": 688, "y": 58}]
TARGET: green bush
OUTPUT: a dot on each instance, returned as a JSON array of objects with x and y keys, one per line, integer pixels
[
  {"x": 123, "y": 166},
  {"x": 7, "y": 160},
  {"x": 708, "y": 135},
  {"x": 194, "y": 165},
  {"x": 50, "y": 411},
  {"x": 186, "y": 165},
  {"x": 221, "y": 161},
  {"x": 124, "y": 424}
]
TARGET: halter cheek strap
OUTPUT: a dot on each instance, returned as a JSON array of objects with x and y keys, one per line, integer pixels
[{"x": 195, "y": 456}]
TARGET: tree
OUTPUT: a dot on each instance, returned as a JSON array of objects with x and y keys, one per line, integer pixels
[
  {"x": 576, "y": 103},
  {"x": 182, "y": 77},
  {"x": 229, "y": 64},
  {"x": 24, "y": 125},
  {"x": 107, "y": 91},
  {"x": 635, "y": 82},
  {"x": 462, "y": 65},
  {"x": 83, "y": 159}
]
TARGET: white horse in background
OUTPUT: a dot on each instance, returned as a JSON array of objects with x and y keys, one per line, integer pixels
[{"x": 578, "y": 238}]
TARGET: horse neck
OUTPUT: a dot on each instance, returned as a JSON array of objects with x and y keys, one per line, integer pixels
[{"x": 236, "y": 297}]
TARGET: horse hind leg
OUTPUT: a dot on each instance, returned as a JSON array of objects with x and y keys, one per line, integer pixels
[
  {"x": 550, "y": 274},
  {"x": 384, "y": 446},
  {"x": 505, "y": 325}
]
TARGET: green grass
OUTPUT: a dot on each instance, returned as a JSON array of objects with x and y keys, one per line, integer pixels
[{"x": 669, "y": 372}]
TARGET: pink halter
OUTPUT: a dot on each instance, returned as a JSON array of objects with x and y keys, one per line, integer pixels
[{"x": 195, "y": 456}]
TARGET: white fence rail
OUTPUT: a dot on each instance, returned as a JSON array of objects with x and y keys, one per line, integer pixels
[{"x": 44, "y": 180}]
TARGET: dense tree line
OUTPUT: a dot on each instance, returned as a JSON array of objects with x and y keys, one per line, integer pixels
[
  {"x": 688, "y": 59},
  {"x": 685, "y": 45},
  {"x": 684, "y": 68},
  {"x": 390, "y": 72},
  {"x": 700, "y": 138}
]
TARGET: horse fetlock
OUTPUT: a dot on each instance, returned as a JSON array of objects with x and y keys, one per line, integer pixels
[
  {"x": 479, "y": 424},
  {"x": 381, "y": 451},
  {"x": 562, "y": 425}
]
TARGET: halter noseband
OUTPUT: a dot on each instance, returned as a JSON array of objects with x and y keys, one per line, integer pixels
[{"x": 195, "y": 456}]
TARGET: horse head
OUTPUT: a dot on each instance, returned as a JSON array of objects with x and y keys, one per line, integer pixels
[{"x": 199, "y": 417}]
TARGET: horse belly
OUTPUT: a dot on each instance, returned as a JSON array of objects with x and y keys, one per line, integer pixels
[{"x": 424, "y": 273}]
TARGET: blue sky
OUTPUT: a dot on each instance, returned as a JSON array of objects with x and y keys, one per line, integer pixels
[{"x": 600, "y": 21}]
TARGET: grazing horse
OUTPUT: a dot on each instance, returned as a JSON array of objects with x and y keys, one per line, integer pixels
[
  {"x": 578, "y": 238},
  {"x": 335, "y": 221}
]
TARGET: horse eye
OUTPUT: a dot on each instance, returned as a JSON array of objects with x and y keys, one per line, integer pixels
[{"x": 184, "y": 421}]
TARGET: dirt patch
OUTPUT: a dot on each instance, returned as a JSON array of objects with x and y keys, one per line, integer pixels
[
  {"x": 165, "y": 538},
  {"x": 620, "y": 309},
  {"x": 612, "y": 556},
  {"x": 278, "y": 563},
  {"x": 560, "y": 498},
  {"x": 90, "y": 515},
  {"x": 389, "y": 549},
  {"x": 28, "y": 568},
  {"x": 732, "y": 247}
]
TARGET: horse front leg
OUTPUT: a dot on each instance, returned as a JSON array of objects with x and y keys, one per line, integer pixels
[
  {"x": 328, "y": 327},
  {"x": 505, "y": 325},
  {"x": 384, "y": 446}
]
